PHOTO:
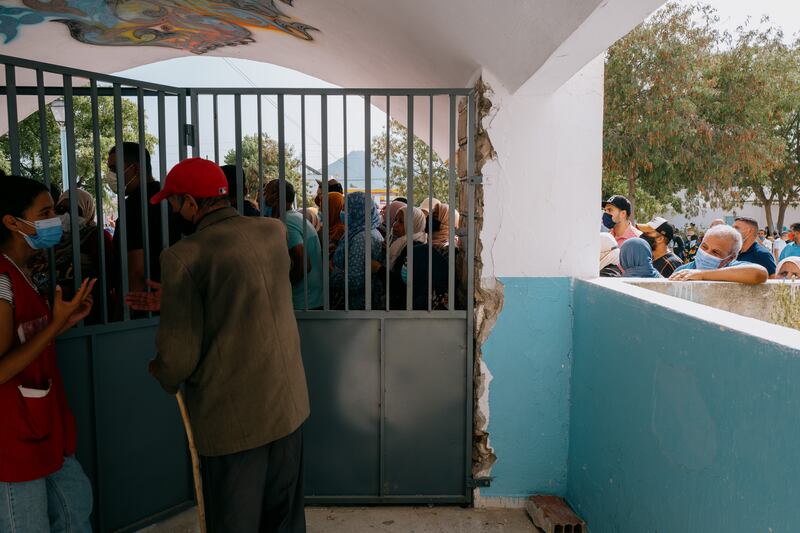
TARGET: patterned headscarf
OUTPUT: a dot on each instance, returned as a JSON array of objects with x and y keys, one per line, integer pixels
[{"x": 356, "y": 208}]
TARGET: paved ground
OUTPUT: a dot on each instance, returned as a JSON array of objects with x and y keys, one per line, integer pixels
[{"x": 388, "y": 520}]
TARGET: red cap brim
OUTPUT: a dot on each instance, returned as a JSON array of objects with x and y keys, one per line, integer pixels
[{"x": 163, "y": 194}]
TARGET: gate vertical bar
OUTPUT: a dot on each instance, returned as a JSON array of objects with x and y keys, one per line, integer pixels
[
  {"x": 346, "y": 219},
  {"x": 98, "y": 186},
  {"x": 367, "y": 206},
  {"x": 325, "y": 236},
  {"x": 69, "y": 126},
  {"x": 282, "y": 159},
  {"x": 195, "y": 123},
  {"x": 123, "y": 230},
  {"x": 470, "y": 276},
  {"x": 143, "y": 177},
  {"x": 430, "y": 206},
  {"x": 389, "y": 219},
  {"x": 216, "y": 130},
  {"x": 237, "y": 117},
  {"x": 162, "y": 167},
  {"x": 181, "y": 125},
  {"x": 13, "y": 126},
  {"x": 305, "y": 202},
  {"x": 45, "y": 147},
  {"x": 409, "y": 218},
  {"x": 451, "y": 190},
  {"x": 260, "y": 157}
]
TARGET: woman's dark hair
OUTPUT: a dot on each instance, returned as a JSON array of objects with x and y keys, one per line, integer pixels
[{"x": 18, "y": 195}]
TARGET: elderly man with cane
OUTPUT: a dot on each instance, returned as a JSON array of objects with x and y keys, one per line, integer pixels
[{"x": 228, "y": 333}]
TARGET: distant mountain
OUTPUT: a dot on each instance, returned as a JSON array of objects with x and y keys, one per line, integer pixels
[{"x": 355, "y": 172}]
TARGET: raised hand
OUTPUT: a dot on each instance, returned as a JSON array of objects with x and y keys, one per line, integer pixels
[
  {"x": 68, "y": 313},
  {"x": 145, "y": 301}
]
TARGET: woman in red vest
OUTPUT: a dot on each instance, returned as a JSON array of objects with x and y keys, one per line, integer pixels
[{"x": 42, "y": 486}]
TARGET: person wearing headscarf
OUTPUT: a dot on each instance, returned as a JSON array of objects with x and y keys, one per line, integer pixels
[
  {"x": 356, "y": 239},
  {"x": 89, "y": 235},
  {"x": 609, "y": 257},
  {"x": 336, "y": 227},
  {"x": 441, "y": 227},
  {"x": 428, "y": 204},
  {"x": 789, "y": 269},
  {"x": 312, "y": 215},
  {"x": 422, "y": 253},
  {"x": 636, "y": 259},
  {"x": 388, "y": 214},
  {"x": 400, "y": 241}
]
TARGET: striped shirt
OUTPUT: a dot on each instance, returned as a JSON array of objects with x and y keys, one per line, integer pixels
[{"x": 6, "y": 293}]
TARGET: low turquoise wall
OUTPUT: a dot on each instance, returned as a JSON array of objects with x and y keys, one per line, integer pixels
[
  {"x": 528, "y": 355},
  {"x": 679, "y": 425}
]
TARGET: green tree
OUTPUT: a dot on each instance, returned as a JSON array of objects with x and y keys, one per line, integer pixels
[
  {"x": 655, "y": 139},
  {"x": 269, "y": 159},
  {"x": 31, "y": 161},
  {"x": 755, "y": 109},
  {"x": 397, "y": 149}
]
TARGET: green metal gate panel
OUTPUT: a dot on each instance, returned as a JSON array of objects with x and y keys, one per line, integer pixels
[
  {"x": 391, "y": 390},
  {"x": 130, "y": 436}
]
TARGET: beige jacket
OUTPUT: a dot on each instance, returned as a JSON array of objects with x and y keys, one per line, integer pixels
[{"x": 228, "y": 330}]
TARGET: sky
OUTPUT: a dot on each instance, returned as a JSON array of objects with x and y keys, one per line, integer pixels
[
  {"x": 733, "y": 13},
  {"x": 218, "y": 72}
]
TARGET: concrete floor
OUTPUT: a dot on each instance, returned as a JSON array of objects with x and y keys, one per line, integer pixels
[{"x": 388, "y": 520}]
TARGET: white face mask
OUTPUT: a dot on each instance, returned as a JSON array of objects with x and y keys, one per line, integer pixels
[
  {"x": 112, "y": 181},
  {"x": 66, "y": 222}
]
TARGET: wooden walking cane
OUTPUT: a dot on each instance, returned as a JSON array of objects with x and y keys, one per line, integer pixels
[{"x": 198, "y": 481}]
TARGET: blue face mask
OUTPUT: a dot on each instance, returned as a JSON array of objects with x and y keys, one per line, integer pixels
[
  {"x": 268, "y": 211},
  {"x": 48, "y": 233},
  {"x": 705, "y": 261},
  {"x": 608, "y": 221},
  {"x": 404, "y": 274}
]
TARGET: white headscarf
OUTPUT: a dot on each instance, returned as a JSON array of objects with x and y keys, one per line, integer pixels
[
  {"x": 399, "y": 244},
  {"x": 609, "y": 251},
  {"x": 86, "y": 206}
]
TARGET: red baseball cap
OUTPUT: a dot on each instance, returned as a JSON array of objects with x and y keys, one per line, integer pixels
[{"x": 196, "y": 176}]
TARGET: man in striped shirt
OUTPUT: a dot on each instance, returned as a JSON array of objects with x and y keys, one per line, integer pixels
[{"x": 659, "y": 234}]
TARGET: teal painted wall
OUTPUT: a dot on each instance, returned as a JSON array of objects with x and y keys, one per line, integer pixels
[
  {"x": 678, "y": 425},
  {"x": 528, "y": 355}
]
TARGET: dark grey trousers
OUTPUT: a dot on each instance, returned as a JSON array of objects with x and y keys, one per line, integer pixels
[{"x": 256, "y": 491}]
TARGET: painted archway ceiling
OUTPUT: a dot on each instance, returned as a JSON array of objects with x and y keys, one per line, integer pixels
[
  {"x": 378, "y": 43},
  {"x": 195, "y": 26}
]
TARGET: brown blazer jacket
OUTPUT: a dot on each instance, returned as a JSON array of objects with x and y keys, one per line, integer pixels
[{"x": 229, "y": 332}]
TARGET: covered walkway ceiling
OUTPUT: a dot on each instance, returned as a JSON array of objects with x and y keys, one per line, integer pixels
[{"x": 352, "y": 43}]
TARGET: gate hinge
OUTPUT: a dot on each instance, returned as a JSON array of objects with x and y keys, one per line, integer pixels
[
  {"x": 475, "y": 482},
  {"x": 188, "y": 134},
  {"x": 475, "y": 180}
]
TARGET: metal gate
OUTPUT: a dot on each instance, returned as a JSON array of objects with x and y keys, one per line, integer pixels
[{"x": 391, "y": 388}]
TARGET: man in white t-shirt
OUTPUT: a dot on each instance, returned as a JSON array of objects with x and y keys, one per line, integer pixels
[{"x": 779, "y": 244}]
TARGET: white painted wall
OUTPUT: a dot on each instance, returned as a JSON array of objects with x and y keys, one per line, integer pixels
[
  {"x": 541, "y": 195},
  {"x": 749, "y": 209}
]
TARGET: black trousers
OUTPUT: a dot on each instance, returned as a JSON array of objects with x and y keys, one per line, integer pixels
[{"x": 256, "y": 491}]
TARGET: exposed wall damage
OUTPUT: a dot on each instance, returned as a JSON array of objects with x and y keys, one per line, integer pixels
[{"x": 488, "y": 292}]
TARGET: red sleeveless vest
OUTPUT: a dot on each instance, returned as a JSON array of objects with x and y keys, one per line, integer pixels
[{"x": 37, "y": 429}]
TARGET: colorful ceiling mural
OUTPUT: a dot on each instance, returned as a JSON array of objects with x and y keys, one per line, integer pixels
[{"x": 197, "y": 26}]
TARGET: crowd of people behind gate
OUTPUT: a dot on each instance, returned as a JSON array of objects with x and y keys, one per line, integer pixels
[
  {"x": 347, "y": 237},
  {"x": 742, "y": 252},
  {"x": 245, "y": 388}
]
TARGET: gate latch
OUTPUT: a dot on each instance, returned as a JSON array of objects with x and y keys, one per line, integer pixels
[
  {"x": 188, "y": 134},
  {"x": 475, "y": 180},
  {"x": 475, "y": 482}
]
